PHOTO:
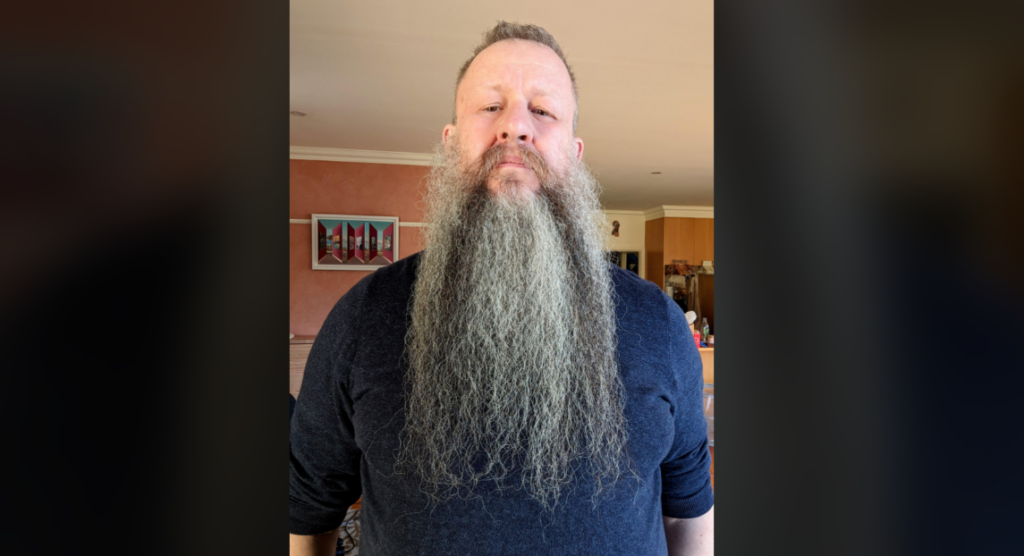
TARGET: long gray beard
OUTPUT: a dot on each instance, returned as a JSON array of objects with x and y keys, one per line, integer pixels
[{"x": 511, "y": 351}]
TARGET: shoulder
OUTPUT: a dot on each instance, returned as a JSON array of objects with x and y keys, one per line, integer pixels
[
  {"x": 389, "y": 280},
  {"x": 651, "y": 326},
  {"x": 630, "y": 283},
  {"x": 386, "y": 288},
  {"x": 393, "y": 277},
  {"x": 643, "y": 298}
]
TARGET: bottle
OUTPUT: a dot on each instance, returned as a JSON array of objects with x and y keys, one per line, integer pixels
[{"x": 705, "y": 331}]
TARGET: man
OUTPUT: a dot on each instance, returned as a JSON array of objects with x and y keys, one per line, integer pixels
[{"x": 492, "y": 395}]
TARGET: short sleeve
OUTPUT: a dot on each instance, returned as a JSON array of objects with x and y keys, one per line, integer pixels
[
  {"x": 686, "y": 471},
  {"x": 324, "y": 464}
]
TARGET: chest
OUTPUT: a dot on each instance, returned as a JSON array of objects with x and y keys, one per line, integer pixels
[{"x": 377, "y": 390}]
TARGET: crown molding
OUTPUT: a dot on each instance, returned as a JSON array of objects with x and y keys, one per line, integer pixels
[
  {"x": 678, "y": 211},
  {"x": 625, "y": 212},
  {"x": 352, "y": 155}
]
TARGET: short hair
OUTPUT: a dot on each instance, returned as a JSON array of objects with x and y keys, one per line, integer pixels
[{"x": 504, "y": 31}]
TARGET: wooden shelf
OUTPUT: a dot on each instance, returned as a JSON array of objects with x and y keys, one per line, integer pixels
[{"x": 707, "y": 358}]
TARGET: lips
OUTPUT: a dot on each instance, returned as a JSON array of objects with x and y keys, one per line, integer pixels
[
  {"x": 512, "y": 161},
  {"x": 507, "y": 157}
]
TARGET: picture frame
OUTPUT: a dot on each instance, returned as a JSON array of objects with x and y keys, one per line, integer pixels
[{"x": 354, "y": 242}]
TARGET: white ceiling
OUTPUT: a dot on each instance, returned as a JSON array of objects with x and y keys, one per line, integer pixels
[{"x": 380, "y": 75}]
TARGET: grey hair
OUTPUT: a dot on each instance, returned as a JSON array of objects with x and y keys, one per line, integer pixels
[
  {"x": 511, "y": 350},
  {"x": 504, "y": 31}
]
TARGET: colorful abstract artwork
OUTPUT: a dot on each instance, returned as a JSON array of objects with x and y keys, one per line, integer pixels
[{"x": 346, "y": 242}]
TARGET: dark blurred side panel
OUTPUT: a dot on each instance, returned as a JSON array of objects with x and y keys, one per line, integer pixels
[
  {"x": 946, "y": 90},
  {"x": 868, "y": 190},
  {"x": 144, "y": 286}
]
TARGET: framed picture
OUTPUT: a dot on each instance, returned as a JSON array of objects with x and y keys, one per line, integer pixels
[{"x": 349, "y": 242}]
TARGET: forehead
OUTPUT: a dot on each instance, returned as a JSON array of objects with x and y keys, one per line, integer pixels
[{"x": 517, "y": 63}]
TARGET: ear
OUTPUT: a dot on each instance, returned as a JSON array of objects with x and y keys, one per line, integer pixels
[
  {"x": 448, "y": 130},
  {"x": 579, "y": 148}
]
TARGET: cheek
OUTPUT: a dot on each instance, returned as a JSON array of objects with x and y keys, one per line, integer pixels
[
  {"x": 475, "y": 141},
  {"x": 556, "y": 153},
  {"x": 472, "y": 152}
]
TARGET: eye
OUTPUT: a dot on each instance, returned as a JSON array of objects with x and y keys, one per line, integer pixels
[
  {"x": 541, "y": 112},
  {"x": 494, "y": 108}
]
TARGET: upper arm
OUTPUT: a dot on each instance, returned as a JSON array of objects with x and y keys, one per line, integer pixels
[
  {"x": 324, "y": 478},
  {"x": 691, "y": 537},
  {"x": 686, "y": 470},
  {"x": 325, "y": 544}
]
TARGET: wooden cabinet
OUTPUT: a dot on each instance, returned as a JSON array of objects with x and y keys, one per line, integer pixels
[
  {"x": 654, "y": 251},
  {"x": 679, "y": 234},
  {"x": 703, "y": 240},
  {"x": 707, "y": 359},
  {"x": 677, "y": 239}
]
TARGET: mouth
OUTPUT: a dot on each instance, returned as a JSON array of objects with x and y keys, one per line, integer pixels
[{"x": 512, "y": 162}]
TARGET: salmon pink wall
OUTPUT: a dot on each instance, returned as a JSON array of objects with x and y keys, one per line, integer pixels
[{"x": 324, "y": 187}]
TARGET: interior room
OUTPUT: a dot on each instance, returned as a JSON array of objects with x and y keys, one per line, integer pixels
[{"x": 372, "y": 89}]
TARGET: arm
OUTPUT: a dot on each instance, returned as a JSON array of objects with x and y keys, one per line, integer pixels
[
  {"x": 324, "y": 476},
  {"x": 687, "y": 501},
  {"x": 324, "y": 544},
  {"x": 691, "y": 537}
]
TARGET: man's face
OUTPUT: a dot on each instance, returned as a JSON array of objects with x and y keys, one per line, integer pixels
[{"x": 516, "y": 93}]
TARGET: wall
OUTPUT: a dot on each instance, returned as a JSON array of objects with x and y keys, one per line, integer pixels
[
  {"x": 356, "y": 188},
  {"x": 631, "y": 234}
]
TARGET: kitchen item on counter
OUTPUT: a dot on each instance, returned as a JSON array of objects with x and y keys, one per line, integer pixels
[
  {"x": 705, "y": 330},
  {"x": 690, "y": 318},
  {"x": 711, "y": 340}
]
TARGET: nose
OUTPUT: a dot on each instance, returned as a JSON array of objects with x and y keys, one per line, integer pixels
[{"x": 515, "y": 126}]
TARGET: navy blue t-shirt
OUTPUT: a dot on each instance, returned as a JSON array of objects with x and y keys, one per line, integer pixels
[{"x": 345, "y": 435}]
